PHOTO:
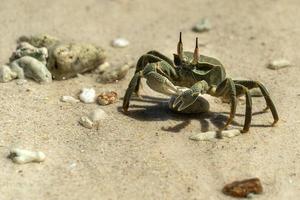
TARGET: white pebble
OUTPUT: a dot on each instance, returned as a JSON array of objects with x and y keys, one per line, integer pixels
[
  {"x": 202, "y": 26},
  {"x": 86, "y": 122},
  {"x": 69, "y": 99},
  {"x": 279, "y": 64},
  {"x": 209, "y": 135},
  {"x": 21, "y": 156},
  {"x": 87, "y": 95},
  {"x": 97, "y": 115},
  {"x": 120, "y": 42}
]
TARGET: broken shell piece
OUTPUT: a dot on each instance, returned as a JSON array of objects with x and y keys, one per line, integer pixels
[
  {"x": 87, "y": 95},
  {"x": 21, "y": 156},
  {"x": 86, "y": 122},
  {"x": 243, "y": 188},
  {"x": 6, "y": 74},
  {"x": 202, "y": 26},
  {"x": 106, "y": 98},
  {"x": 97, "y": 115},
  {"x": 69, "y": 99},
  {"x": 120, "y": 42},
  {"x": 279, "y": 64},
  {"x": 209, "y": 135}
]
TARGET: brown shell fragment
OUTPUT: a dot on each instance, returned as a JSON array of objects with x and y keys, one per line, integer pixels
[
  {"x": 243, "y": 188},
  {"x": 106, "y": 98}
]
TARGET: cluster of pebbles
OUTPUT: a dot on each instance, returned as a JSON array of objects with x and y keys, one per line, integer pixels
[
  {"x": 88, "y": 96},
  {"x": 44, "y": 58}
]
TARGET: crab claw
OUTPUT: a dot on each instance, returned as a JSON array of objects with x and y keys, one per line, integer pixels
[{"x": 185, "y": 99}]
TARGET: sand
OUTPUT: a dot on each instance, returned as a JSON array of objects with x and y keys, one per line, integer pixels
[{"x": 147, "y": 154}]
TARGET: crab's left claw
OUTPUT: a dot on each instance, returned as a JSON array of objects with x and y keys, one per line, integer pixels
[{"x": 184, "y": 100}]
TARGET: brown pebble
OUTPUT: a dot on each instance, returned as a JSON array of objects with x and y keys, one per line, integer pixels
[
  {"x": 243, "y": 188},
  {"x": 106, "y": 98}
]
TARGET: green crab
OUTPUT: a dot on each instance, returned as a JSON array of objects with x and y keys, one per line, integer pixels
[{"x": 200, "y": 74}]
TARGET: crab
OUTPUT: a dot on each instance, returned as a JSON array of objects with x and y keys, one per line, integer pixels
[{"x": 198, "y": 73}]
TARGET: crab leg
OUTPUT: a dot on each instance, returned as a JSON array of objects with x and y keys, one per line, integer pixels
[
  {"x": 255, "y": 84},
  {"x": 132, "y": 85},
  {"x": 227, "y": 89},
  {"x": 240, "y": 89}
]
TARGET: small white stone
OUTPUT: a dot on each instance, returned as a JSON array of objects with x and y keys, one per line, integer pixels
[
  {"x": 69, "y": 99},
  {"x": 97, "y": 115},
  {"x": 6, "y": 74},
  {"x": 120, "y": 42},
  {"x": 202, "y": 26},
  {"x": 209, "y": 135},
  {"x": 103, "y": 67},
  {"x": 279, "y": 64},
  {"x": 21, "y": 156},
  {"x": 86, "y": 122},
  {"x": 87, "y": 95}
]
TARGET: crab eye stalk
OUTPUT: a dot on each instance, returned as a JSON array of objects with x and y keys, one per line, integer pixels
[
  {"x": 196, "y": 53},
  {"x": 180, "y": 48}
]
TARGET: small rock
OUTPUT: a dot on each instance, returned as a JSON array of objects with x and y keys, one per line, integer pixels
[
  {"x": 97, "y": 115},
  {"x": 115, "y": 74},
  {"x": 256, "y": 92},
  {"x": 86, "y": 122},
  {"x": 87, "y": 95},
  {"x": 209, "y": 135},
  {"x": 21, "y": 156},
  {"x": 106, "y": 98},
  {"x": 120, "y": 43},
  {"x": 243, "y": 188},
  {"x": 6, "y": 74},
  {"x": 202, "y": 26},
  {"x": 279, "y": 64},
  {"x": 69, "y": 99}
]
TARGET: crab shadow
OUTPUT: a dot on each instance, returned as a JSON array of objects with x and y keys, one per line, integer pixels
[{"x": 157, "y": 110}]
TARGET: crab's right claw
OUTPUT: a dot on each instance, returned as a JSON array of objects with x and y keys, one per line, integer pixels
[{"x": 184, "y": 100}]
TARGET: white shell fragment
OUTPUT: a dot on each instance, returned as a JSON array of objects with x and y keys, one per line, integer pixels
[
  {"x": 69, "y": 99},
  {"x": 209, "y": 135},
  {"x": 279, "y": 64},
  {"x": 87, "y": 95},
  {"x": 202, "y": 26},
  {"x": 21, "y": 156},
  {"x": 86, "y": 122},
  {"x": 97, "y": 115},
  {"x": 6, "y": 74},
  {"x": 120, "y": 43}
]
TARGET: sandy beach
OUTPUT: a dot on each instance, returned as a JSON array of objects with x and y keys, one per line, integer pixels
[{"x": 147, "y": 154}]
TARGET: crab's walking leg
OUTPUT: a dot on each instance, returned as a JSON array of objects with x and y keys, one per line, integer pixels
[
  {"x": 227, "y": 89},
  {"x": 255, "y": 84},
  {"x": 240, "y": 89},
  {"x": 132, "y": 85}
]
